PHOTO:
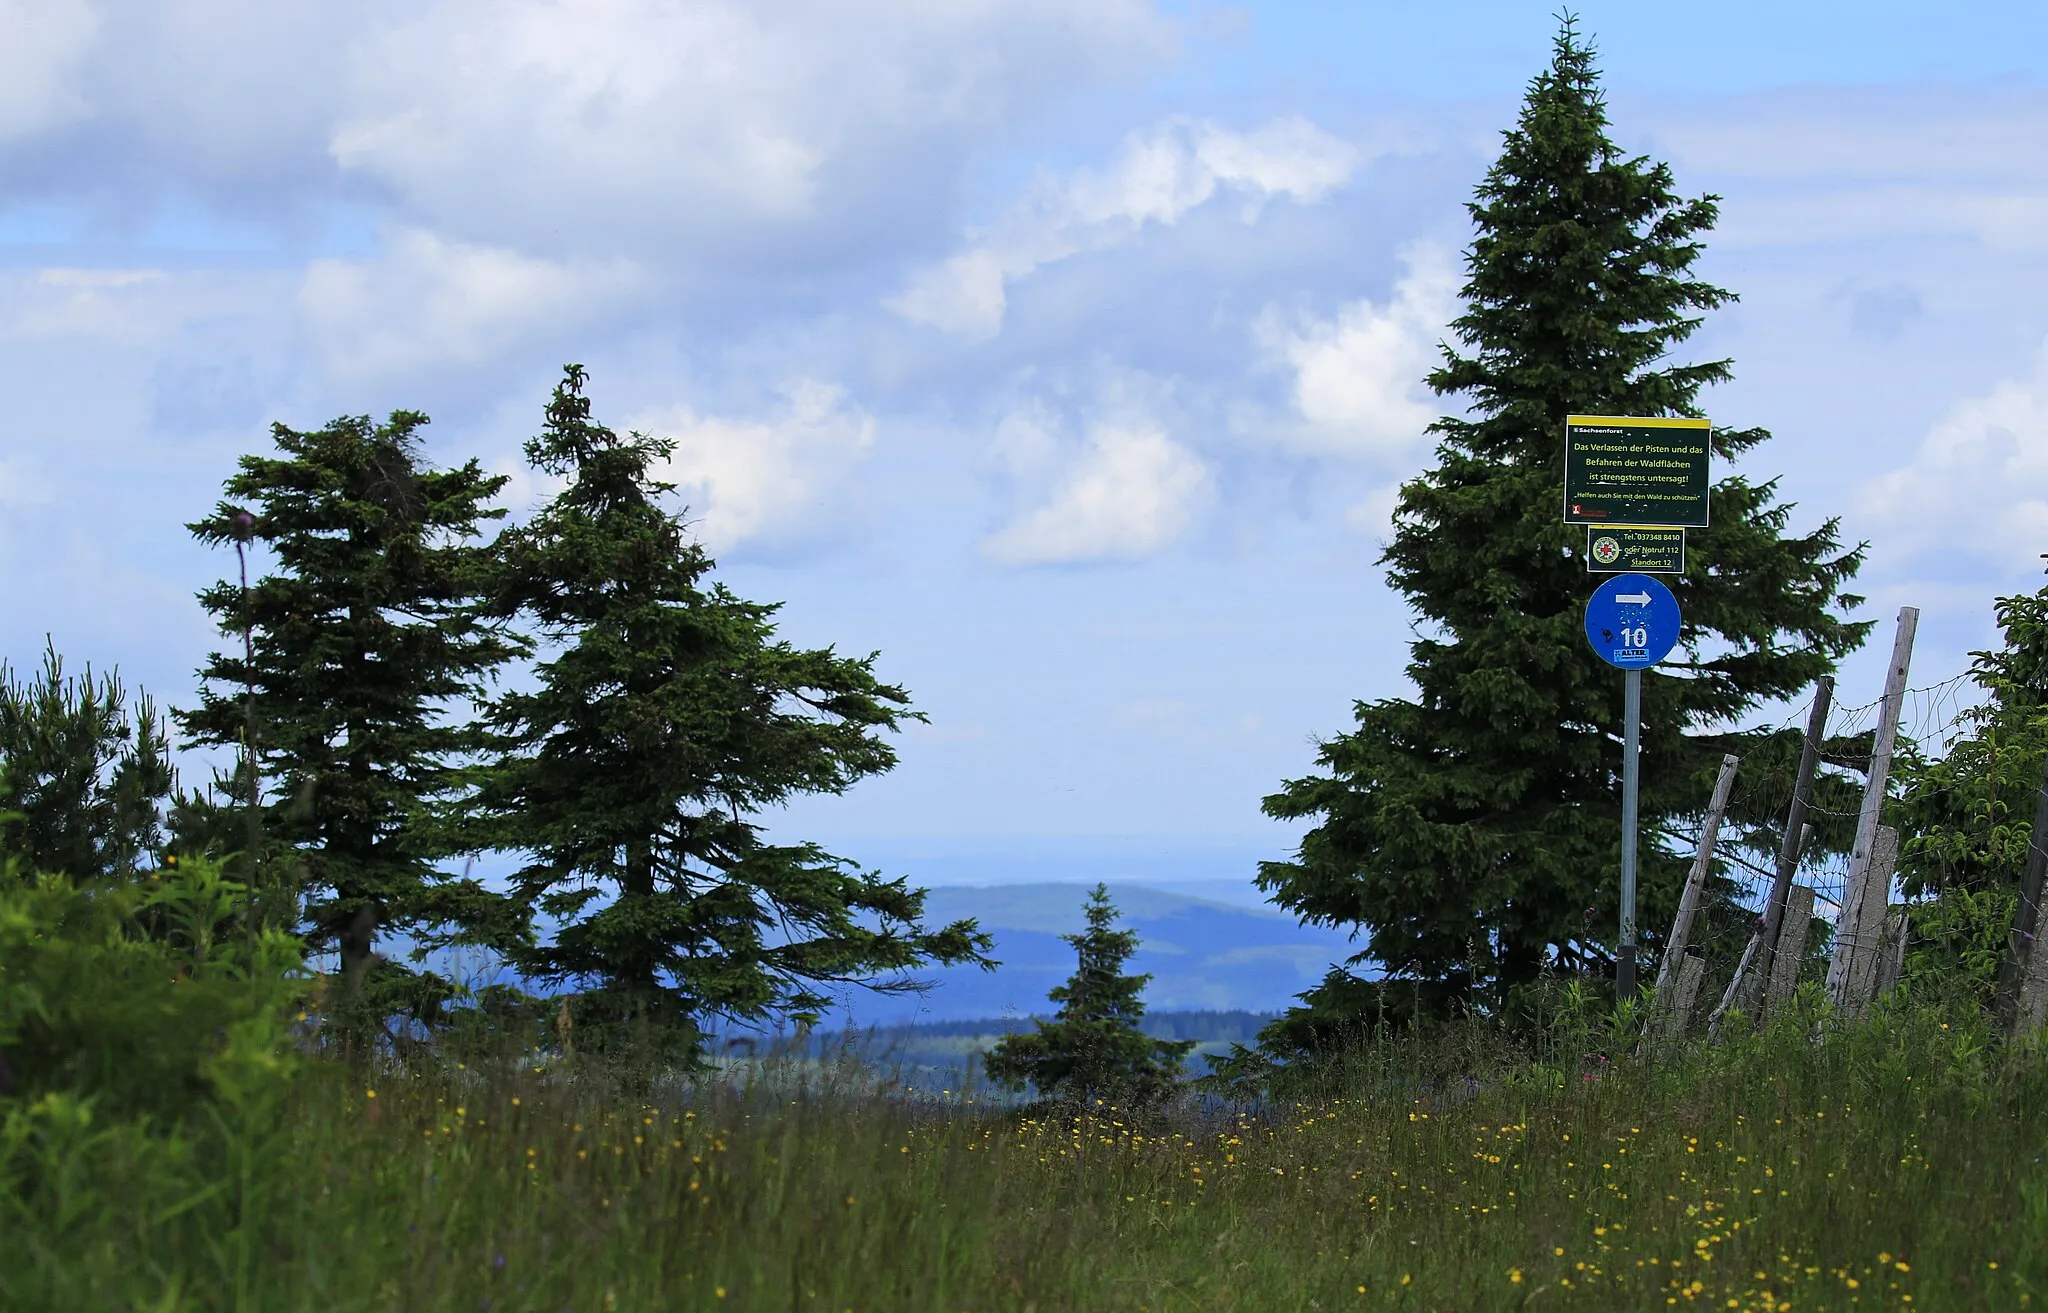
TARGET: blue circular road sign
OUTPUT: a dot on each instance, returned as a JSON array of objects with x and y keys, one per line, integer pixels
[{"x": 1632, "y": 621}]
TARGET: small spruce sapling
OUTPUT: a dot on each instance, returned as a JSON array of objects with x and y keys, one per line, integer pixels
[{"x": 1093, "y": 1046}]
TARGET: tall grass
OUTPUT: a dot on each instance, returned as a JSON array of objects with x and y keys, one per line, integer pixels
[{"x": 1896, "y": 1164}]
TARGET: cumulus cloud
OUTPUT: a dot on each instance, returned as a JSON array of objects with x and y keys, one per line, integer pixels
[
  {"x": 1158, "y": 177},
  {"x": 1357, "y": 376},
  {"x": 645, "y": 121},
  {"x": 428, "y": 301},
  {"x": 1131, "y": 493},
  {"x": 1980, "y": 477},
  {"x": 599, "y": 124},
  {"x": 765, "y": 479},
  {"x": 105, "y": 303}
]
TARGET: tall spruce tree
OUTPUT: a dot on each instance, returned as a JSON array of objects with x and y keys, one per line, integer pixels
[
  {"x": 346, "y": 682},
  {"x": 667, "y": 717},
  {"x": 1472, "y": 832},
  {"x": 1094, "y": 1047}
]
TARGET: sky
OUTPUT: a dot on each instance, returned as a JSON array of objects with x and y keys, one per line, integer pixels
[{"x": 1066, "y": 353}]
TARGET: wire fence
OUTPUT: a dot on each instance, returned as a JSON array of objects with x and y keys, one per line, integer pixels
[{"x": 1932, "y": 719}]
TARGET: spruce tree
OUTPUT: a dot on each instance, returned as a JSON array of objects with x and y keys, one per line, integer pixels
[
  {"x": 1093, "y": 1047},
  {"x": 666, "y": 718},
  {"x": 84, "y": 779},
  {"x": 1471, "y": 832},
  {"x": 346, "y": 684}
]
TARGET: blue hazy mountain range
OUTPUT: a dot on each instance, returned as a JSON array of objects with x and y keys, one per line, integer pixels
[
  {"x": 1209, "y": 942},
  {"x": 1203, "y": 954}
]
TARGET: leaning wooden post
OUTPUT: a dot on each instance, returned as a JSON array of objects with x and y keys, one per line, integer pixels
[
  {"x": 1797, "y": 835},
  {"x": 1870, "y": 917},
  {"x": 2026, "y": 918},
  {"x": 1684, "y": 988},
  {"x": 1849, "y": 945},
  {"x": 1753, "y": 971},
  {"x": 1695, "y": 880}
]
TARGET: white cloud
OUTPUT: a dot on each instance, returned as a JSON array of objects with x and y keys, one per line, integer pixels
[
  {"x": 428, "y": 301},
  {"x": 1828, "y": 165},
  {"x": 749, "y": 480},
  {"x": 1979, "y": 479},
  {"x": 46, "y": 41},
  {"x": 1159, "y": 177},
  {"x": 1374, "y": 515},
  {"x": 550, "y": 125},
  {"x": 1892, "y": 133},
  {"x": 1358, "y": 386},
  {"x": 106, "y": 303},
  {"x": 1133, "y": 491},
  {"x": 647, "y": 121}
]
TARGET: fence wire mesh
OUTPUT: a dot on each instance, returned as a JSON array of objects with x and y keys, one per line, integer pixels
[{"x": 1931, "y": 720}]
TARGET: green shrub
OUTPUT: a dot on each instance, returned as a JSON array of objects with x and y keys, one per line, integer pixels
[{"x": 144, "y": 998}]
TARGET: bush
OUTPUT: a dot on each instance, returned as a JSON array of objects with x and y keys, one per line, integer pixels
[{"x": 143, "y": 998}]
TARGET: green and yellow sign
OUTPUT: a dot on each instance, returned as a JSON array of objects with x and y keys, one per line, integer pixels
[
  {"x": 1644, "y": 472},
  {"x": 1632, "y": 549}
]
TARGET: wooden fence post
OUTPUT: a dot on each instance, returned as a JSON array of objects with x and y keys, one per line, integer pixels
[
  {"x": 1870, "y": 918},
  {"x": 1684, "y": 991},
  {"x": 1745, "y": 987},
  {"x": 1695, "y": 880},
  {"x": 1850, "y": 965},
  {"x": 2020, "y": 954},
  {"x": 2031, "y": 1012},
  {"x": 1791, "y": 948},
  {"x": 1898, "y": 930},
  {"x": 1798, "y": 834}
]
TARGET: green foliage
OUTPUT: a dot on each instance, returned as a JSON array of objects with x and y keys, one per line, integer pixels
[
  {"x": 83, "y": 780},
  {"x": 1968, "y": 817},
  {"x": 350, "y": 659},
  {"x": 1472, "y": 831},
  {"x": 1899, "y": 1155},
  {"x": 667, "y": 715},
  {"x": 148, "y": 997},
  {"x": 1093, "y": 1048}
]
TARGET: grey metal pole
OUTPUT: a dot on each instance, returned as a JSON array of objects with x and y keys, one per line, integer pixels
[{"x": 1631, "y": 744}]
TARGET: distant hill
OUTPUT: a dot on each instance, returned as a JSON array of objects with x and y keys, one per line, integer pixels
[
  {"x": 1203, "y": 955},
  {"x": 946, "y": 1055}
]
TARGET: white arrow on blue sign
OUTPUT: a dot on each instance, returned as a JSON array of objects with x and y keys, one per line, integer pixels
[{"x": 1632, "y": 621}]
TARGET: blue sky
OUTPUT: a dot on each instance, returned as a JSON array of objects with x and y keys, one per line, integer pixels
[{"x": 1065, "y": 352}]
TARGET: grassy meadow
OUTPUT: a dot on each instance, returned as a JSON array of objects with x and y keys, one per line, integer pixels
[{"x": 1897, "y": 1164}]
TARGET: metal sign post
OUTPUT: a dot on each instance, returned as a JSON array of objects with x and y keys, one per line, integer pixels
[
  {"x": 1631, "y": 775},
  {"x": 1632, "y": 623}
]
